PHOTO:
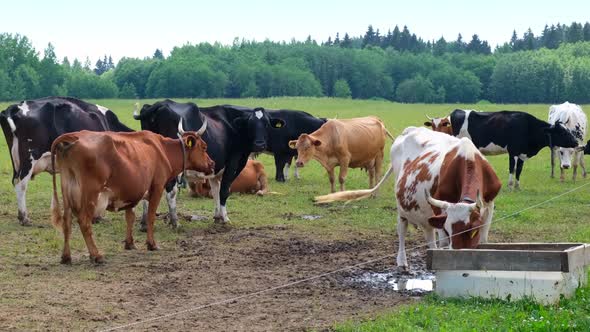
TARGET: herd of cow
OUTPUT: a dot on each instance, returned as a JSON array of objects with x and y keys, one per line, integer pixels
[{"x": 444, "y": 183}]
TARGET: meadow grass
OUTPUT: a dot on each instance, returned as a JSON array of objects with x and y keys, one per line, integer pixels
[{"x": 561, "y": 220}]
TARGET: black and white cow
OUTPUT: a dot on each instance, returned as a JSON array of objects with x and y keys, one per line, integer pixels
[
  {"x": 297, "y": 123},
  {"x": 232, "y": 134},
  {"x": 519, "y": 134},
  {"x": 574, "y": 119},
  {"x": 31, "y": 126}
]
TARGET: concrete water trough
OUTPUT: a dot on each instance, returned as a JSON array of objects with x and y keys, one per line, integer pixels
[{"x": 542, "y": 271}]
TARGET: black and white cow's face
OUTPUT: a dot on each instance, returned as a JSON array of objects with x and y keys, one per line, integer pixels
[
  {"x": 561, "y": 136},
  {"x": 162, "y": 121},
  {"x": 256, "y": 125}
]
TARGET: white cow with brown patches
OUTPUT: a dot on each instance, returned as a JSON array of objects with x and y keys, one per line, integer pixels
[{"x": 443, "y": 183}]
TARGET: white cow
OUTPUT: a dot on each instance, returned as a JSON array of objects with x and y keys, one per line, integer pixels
[{"x": 574, "y": 119}]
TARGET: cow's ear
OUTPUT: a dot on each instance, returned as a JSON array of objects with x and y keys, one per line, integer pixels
[
  {"x": 293, "y": 144},
  {"x": 190, "y": 142},
  {"x": 277, "y": 123},
  {"x": 428, "y": 124},
  {"x": 317, "y": 142},
  {"x": 437, "y": 221}
]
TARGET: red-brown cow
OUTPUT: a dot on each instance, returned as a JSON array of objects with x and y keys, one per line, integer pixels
[
  {"x": 114, "y": 171},
  {"x": 354, "y": 143},
  {"x": 252, "y": 180}
]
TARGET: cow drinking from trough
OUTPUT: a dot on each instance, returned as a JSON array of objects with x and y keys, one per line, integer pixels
[
  {"x": 574, "y": 119},
  {"x": 443, "y": 183},
  {"x": 348, "y": 143},
  {"x": 114, "y": 171},
  {"x": 232, "y": 134},
  {"x": 296, "y": 123},
  {"x": 31, "y": 126},
  {"x": 519, "y": 134}
]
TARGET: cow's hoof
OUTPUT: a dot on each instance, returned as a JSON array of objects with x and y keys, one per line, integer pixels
[
  {"x": 98, "y": 260},
  {"x": 129, "y": 246},
  {"x": 24, "y": 221},
  {"x": 403, "y": 269},
  {"x": 260, "y": 193},
  {"x": 280, "y": 180},
  {"x": 173, "y": 222},
  {"x": 152, "y": 246},
  {"x": 66, "y": 260}
]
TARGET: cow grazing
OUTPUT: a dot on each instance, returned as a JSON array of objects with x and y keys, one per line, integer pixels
[
  {"x": 443, "y": 183},
  {"x": 31, "y": 126},
  {"x": 519, "y": 134},
  {"x": 354, "y": 143},
  {"x": 574, "y": 119},
  {"x": 252, "y": 180},
  {"x": 114, "y": 171},
  {"x": 233, "y": 133},
  {"x": 296, "y": 123}
]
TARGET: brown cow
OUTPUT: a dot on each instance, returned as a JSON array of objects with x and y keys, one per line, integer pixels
[
  {"x": 114, "y": 171},
  {"x": 442, "y": 125},
  {"x": 354, "y": 143},
  {"x": 251, "y": 180}
]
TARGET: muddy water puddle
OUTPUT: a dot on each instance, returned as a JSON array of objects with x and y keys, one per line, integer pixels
[{"x": 417, "y": 283}]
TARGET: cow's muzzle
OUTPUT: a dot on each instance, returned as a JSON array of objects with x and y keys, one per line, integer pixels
[
  {"x": 299, "y": 164},
  {"x": 259, "y": 146},
  {"x": 565, "y": 166}
]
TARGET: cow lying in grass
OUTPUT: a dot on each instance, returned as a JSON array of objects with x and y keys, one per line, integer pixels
[
  {"x": 443, "y": 183},
  {"x": 252, "y": 180},
  {"x": 114, "y": 171}
]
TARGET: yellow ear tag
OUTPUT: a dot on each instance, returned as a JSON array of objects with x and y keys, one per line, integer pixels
[
  {"x": 474, "y": 233},
  {"x": 189, "y": 143},
  {"x": 278, "y": 125}
]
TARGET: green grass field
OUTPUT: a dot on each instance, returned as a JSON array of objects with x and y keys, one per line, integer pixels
[{"x": 562, "y": 220}]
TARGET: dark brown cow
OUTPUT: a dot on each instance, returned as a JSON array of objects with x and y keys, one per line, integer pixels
[
  {"x": 114, "y": 171},
  {"x": 252, "y": 180}
]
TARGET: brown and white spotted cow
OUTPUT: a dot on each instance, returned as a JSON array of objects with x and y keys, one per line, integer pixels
[
  {"x": 443, "y": 183},
  {"x": 252, "y": 180},
  {"x": 442, "y": 125},
  {"x": 348, "y": 143},
  {"x": 114, "y": 171}
]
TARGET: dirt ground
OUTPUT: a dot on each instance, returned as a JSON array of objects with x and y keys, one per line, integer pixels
[{"x": 209, "y": 265}]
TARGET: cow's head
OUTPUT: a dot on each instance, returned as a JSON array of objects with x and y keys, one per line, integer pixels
[
  {"x": 561, "y": 136},
  {"x": 306, "y": 146},
  {"x": 461, "y": 221},
  {"x": 256, "y": 124},
  {"x": 200, "y": 188},
  {"x": 157, "y": 118},
  {"x": 585, "y": 148},
  {"x": 197, "y": 158},
  {"x": 442, "y": 125}
]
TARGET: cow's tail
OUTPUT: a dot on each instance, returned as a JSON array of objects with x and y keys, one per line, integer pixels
[
  {"x": 353, "y": 195},
  {"x": 56, "y": 215},
  {"x": 388, "y": 133}
]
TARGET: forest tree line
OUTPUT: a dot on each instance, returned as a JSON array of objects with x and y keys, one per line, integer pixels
[{"x": 398, "y": 66}]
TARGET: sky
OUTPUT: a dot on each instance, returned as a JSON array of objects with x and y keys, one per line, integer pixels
[{"x": 135, "y": 28}]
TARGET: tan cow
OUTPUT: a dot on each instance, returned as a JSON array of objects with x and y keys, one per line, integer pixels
[
  {"x": 251, "y": 180},
  {"x": 114, "y": 171},
  {"x": 354, "y": 143}
]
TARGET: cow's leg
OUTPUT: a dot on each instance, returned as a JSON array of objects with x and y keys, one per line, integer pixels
[
  {"x": 519, "y": 165},
  {"x": 331, "y": 177},
  {"x": 342, "y": 174},
  {"x": 371, "y": 171},
  {"x": 171, "y": 193},
  {"x": 443, "y": 239},
  {"x": 511, "y": 169},
  {"x": 582, "y": 163},
  {"x": 215, "y": 184},
  {"x": 402, "y": 228},
  {"x": 230, "y": 174},
  {"x": 154, "y": 199},
  {"x": 575, "y": 165},
  {"x": 430, "y": 236},
  {"x": 487, "y": 216},
  {"x": 21, "y": 199},
  {"x": 85, "y": 222},
  {"x": 130, "y": 219},
  {"x": 144, "y": 213},
  {"x": 66, "y": 256},
  {"x": 282, "y": 168},
  {"x": 296, "y": 172},
  {"x": 553, "y": 163}
]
